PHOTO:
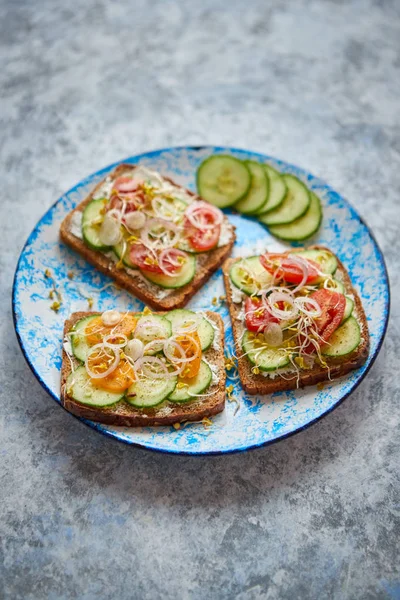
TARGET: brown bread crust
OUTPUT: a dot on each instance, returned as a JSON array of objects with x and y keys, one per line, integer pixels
[
  {"x": 258, "y": 384},
  {"x": 126, "y": 415},
  {"x": 207, "y": 262}
]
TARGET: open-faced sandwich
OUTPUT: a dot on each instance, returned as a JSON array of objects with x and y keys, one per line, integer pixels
[
  {"x": 296, "y": 319},
  {"x": 153, "y": 237},
  {"x": 138, "y": 369}
]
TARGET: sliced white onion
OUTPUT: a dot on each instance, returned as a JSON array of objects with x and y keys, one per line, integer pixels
[
  {"x": 303, "y": 303},
  {"x": 189, "y": 326},
  {"x": 275, "y": 297},
  {"x": 110, "y": 232},
  {"x": 149, "y": 328},
  {"x": 154, "y": 346},
  {"x": 119, "y": 336},
  {"x": 134, "y": 349},
  {"x": 303, "y": 264},
  {"x": 168, "y": 256},
  {"x": 195, "y": 214},
  {"x": 273, "y": 335},
  {"x": 111, "y": 317},
  {"x": 167, "y": 237},
  {"x": 135, "y": 220},
  {"x": 110, "y": 369},
  {"x": 177, "y": 346},
  {"x": 146, "y": 364}
]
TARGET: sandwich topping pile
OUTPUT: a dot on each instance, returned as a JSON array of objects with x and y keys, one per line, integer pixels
[
  {"x": 141, "y": 359},
  {"x": 295, "y": 312},
  {"x": 151, "y": 227}
]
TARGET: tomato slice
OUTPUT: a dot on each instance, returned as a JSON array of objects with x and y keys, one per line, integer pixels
[
  {"x": 203, "y": 240},
  {"x": 119, "y": 380},
  {"x": 125, "y": 184},
  {"x": 144, "y": 259},
  {"x": 95, "y": 331},
  {"x": 203, "y": 226},
  {"x": 283, "y": 267},
  {"x": 192, "y": 348},
  {"x": 333, "y": 305},
  {"x": 257, "y": 316}
]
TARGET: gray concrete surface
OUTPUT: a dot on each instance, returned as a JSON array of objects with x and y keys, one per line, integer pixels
[{"x": 83, "y": 84}]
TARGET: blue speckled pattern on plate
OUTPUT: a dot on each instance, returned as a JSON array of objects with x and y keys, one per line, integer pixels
[{"x": 260, "y": 419}]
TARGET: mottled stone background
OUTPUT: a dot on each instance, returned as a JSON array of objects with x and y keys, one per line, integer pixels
[{"x": 83, "y": 84}]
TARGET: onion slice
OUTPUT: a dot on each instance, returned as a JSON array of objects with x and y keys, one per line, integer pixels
[
  {"x": 197, "y": 212},
  {"x": 110, "y": 369}
]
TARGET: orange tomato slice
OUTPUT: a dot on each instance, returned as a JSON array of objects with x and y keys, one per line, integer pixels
[
  {"x": 192, "y": 348},
  {"x": 119, "y": 380},
  {"x": 95, "y": 331}
]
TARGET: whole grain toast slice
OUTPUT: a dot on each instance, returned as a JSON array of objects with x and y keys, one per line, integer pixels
[
  {"x": 259, "y": 384},
  {"x": 156, "y": 297},
  {"x": 165, "y": 414}
]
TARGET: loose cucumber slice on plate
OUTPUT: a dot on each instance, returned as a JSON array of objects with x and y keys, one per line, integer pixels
[
  {"x": 249, "y": 275},
  {"x": 90, "y": 230},
  {"x": 79, "y": 345},
  {"x": 150, "y": 328},
  {"x": 257, "y": 195},
  {"x": 277, "y": 190},
  {"x": 122, "y": 251},
  {"x": 268, "y": 359},
  {"x": 326, "y": 260},
  {"x": 149, "y": 393},
  {"x": 303, "y": 227},
  {"x": 295, "y": 204},
  {"x": 81, "y": 389},
  {"x": 179, "y": 317},
  {"x": 165, "y": 281},
  {"x": 344, "y": 340},
  {"x": 193, "y": 387},
  {"x": 223, "y": 180},
  {"x": 348, "y": 309}
]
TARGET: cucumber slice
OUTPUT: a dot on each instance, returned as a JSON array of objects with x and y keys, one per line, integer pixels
[
  {"x": 303, "y": 227},
  {"x": 81, "y": 389},
  {"x": 294, "y": 206},
  {"x": 185, "y": 276},
  {"x": 90, "y": 232},
  {"x": 268, "y": 359},
  {"x": 197, "y": 385},
  {"x": 335, "y": 286},
  {"x": 150, "y": 392},
  {"x": 80, "y": 347},
  {"x": 344, "y": 340},
  {"x": 326, "y": 260},
  {"x": 249, "y": 275},
  {"x": 257, "y": 195},
  {"x": 348, "y": 309},
  {"x": 153, "y": 327},
  {"x": 122, "y": 251},
  {"x": 223, "y": 180},
  {"x": 205, "y": 330},
  {"x": 277, "y": 190}
]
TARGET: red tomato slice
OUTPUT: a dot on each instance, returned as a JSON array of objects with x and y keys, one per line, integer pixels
[
  {"x": 257, "y": 317},
  {"x": 333, "y": 305},
  {"x": 203, "y": 225},
  {"x": 282, "y": 266},
  {"x": 144, "y": 259},
  {"x": 171, "y": 259},
  {"x": 125, "y": 184},
  {"x": 203, "y": 240}
]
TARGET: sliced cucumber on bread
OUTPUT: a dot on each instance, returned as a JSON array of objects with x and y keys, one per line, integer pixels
[
  {"x": 91, "y": 219},
  {"x": 190, "y": 389},
  {"x": 181, "y": 318},
  {"x": 80, "y": 388},
  {"x": 79, "y": 345},
  {"x": 344, "y": 340},
  {"x": 150, "y": 393},
  {"x": 266, "y": 359},
  {"x": 184, "y": 277}
]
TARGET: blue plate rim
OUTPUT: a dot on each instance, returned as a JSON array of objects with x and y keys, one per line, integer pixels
[{"x": 98, "y": 426}]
